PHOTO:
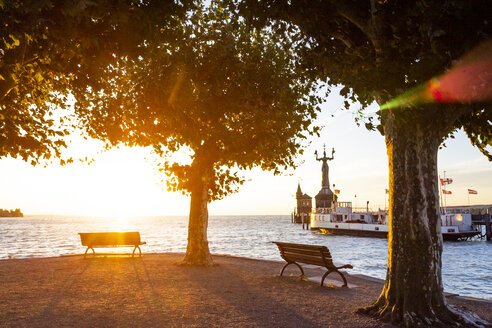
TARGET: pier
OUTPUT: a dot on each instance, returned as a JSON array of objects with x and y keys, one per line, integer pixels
[
  {"x": 303, "y": 218},
  {"x": 484, "y": 220},
  {"x": 481, "y": 216}
]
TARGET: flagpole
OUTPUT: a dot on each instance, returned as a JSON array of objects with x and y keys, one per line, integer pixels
[
  {"x": 385, "y": 199},
  {"x": 440, "y": 194},
  {"x": 468, "y": 192},
  {"x": 444, "y": 179}
]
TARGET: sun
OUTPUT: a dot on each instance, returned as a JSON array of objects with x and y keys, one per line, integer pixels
[{"x": 122, "y": 222}]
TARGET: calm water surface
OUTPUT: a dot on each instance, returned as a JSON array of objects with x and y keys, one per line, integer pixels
[{"x": 467, "y": 269}]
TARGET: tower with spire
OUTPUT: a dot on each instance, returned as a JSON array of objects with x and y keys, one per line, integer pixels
[{"x": 304, "y": 203}]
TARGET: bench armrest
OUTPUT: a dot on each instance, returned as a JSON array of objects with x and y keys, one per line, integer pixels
[{"x": 346, "y": 266}]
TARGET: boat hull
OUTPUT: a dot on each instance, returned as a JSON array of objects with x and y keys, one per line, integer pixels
[
  {"x": 384, "y": 234},
  {"x": 352, "y": 232},
  {"x": 449, "y": 233},
  {"x": 458, "y": 236}
]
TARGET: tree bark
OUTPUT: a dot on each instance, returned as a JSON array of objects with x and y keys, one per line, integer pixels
[
  {"x": 413, "y": 291},
  {"x": 197, "y": 252}
]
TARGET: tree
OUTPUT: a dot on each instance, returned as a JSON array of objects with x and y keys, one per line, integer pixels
[
  {"x": 378, "y": 50},
  {"x": 233, "y": 97},
  {"x": 43, "y": 45}
]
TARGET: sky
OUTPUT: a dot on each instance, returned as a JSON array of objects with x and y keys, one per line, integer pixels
[{"x": 126, "y": 182}]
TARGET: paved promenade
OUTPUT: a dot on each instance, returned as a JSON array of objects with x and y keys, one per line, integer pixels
[{"x": 118, "y": 291}]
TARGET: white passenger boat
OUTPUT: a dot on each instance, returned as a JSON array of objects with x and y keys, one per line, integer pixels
[{"x": 456, "y": 224}]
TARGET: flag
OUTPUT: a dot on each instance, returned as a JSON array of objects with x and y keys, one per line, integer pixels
[
  {"x": 446, "y": 192},
  {"x": 337, "y": 191},
  {"x": 446, "y": 181},
  {"x": 387, "y": 191},
  {"x": 472, "y": 192}
]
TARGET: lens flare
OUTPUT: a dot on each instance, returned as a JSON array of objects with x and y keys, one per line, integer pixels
[{"x": 470, "y": 80}]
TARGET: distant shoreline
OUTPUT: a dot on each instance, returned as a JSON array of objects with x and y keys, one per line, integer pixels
[{"x": 11, "y": 213}]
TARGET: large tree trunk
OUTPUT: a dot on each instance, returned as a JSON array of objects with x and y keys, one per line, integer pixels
[
  {"x": 413, "y": 291},
  {"x": 197, "y": 252}
]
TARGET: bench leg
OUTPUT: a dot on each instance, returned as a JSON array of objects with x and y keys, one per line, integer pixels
[
  {"x": 324, "y": 276},
  {"x": 343, "y": 277},
  {"x": 139, "y": 250},
  {"x": 93, "y": 251},
  {"x": 330, "y": 271},
  {"x": 282, "y": 271}
]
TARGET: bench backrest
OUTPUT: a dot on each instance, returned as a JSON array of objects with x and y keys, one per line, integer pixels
[
  {"x": 308, "y": 254},
  {"x": 110, "y": 238}
]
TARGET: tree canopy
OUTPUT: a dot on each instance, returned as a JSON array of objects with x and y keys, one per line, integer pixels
[
  {"x": 44, "y": 44},
  {"x": 380, "y": 49},
  {"x": 231, "y": 96}
]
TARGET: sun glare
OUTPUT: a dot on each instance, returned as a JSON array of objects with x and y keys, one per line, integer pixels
[{"x": 120, "y": 183}]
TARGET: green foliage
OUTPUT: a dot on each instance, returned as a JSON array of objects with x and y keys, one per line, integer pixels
[
  {"x": 28, "y": 87},
  {"x": 380, "y": 49},
  {"x": 47, "y": 47},
  {"x": 232, "y": 96},
  {"x": 477, "y": 125}
]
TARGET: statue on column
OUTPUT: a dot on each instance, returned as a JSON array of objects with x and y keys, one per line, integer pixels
[
  {"x": 325, "y": 197},
  {"x": 325, "y": 182}
]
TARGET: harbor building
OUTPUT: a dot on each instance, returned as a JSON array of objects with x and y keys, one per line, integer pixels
[{"x": 304, "y": 206}]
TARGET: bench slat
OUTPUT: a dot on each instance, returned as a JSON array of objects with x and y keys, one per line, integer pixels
[
  {"x": 307, "y": 257},
  {"x": 95, "y": 239},
  {"x": 301, "y": 246},
  {"x": 297, "y": 249},
  {"x": 307, "y": 254},
  {"x": 304, "y": 260}
]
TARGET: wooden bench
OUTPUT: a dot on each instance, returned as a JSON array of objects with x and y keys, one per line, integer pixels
[
  {"x": 111, "y": 239},
  {"x": 310, "y": 254}
]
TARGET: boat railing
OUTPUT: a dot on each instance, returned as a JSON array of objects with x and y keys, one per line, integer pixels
[
  {"x": 343, "y": 204},
  {"x": 457, "y": 210},
  {"x": 360, "y": 210},
  {"x": 321, "y": 211}
]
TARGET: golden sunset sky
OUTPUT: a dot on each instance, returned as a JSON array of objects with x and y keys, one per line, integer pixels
[{"x": 125, "y": 181}]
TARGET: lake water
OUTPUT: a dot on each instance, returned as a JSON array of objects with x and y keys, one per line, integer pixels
[{"x": 467, "y": 269}]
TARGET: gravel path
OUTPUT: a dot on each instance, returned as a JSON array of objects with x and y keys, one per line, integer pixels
[{"x": 118, "y": 291}]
